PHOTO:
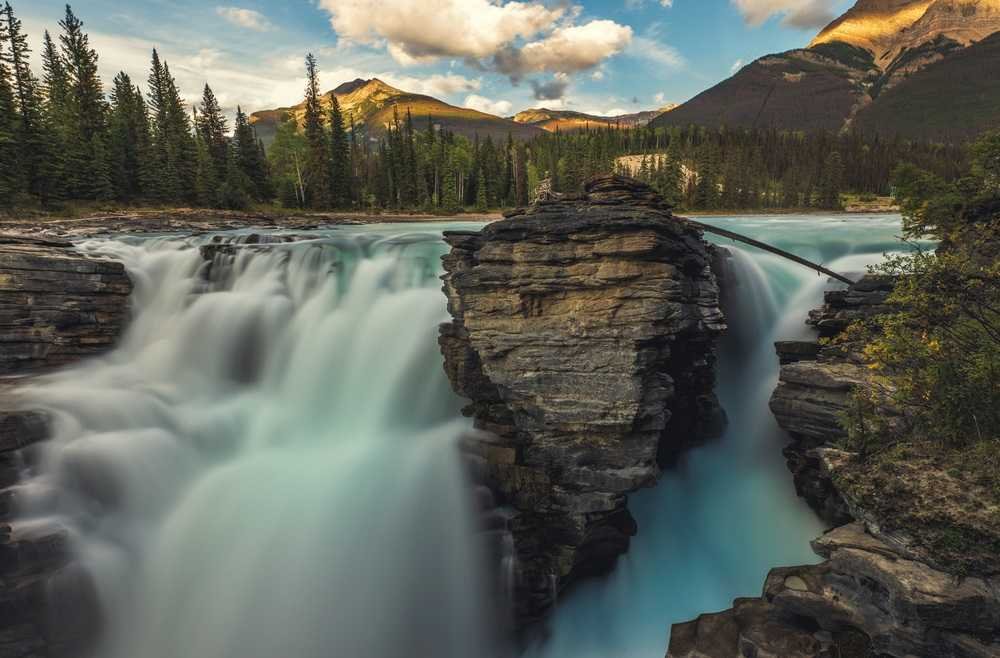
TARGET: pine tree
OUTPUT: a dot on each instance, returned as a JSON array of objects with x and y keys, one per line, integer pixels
[
  {"x": 9, "y": 177},
  {"x": 212, "y": 128},
  {"x": 340, "y": 163},
  {"x": 55, "y": 118},
  {"x": 317, "y": 165},
  {"x": 248, "y": 157},
  {"x": 206, "y": 175},
  {"x": 173, "y": 149},
  {"x": 128, "y": 139},
  {"x": 831, "y": 181},
  {"x": 482, "y": 204},
  {"x": 31, "y": 143},
  {"x": 86, "y": 111},
  {"x": 233, "y": 194}
]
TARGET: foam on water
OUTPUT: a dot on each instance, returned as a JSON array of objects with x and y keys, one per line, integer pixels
[{"x": 267, "y": 465}]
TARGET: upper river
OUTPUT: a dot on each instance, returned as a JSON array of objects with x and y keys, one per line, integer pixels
[{"x": 266, "y": 465}]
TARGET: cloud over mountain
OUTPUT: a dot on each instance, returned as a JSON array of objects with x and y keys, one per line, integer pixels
[
  {"x": 514, "y": 38},
  {"x": 803, "y": 14}
]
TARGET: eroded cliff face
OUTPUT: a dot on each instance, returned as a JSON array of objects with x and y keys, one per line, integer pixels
[
  {"x": 584, "y": 335},
  {"x": 56, "y": 306},
  {"x": 912, "y": 566}
]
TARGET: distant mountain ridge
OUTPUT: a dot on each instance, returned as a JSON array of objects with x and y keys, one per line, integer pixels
[
  {"x": 879, "y": 54},
  {"x": 569, "y": 120},
  {"x": 372, "y": 105}
]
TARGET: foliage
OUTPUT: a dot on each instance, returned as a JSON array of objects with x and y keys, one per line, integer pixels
[{"x": 937, "y": 356}]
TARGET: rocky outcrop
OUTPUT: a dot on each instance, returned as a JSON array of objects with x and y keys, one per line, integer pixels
[
  {"x": 865, "y": 599},
  {"x": 912, "y": 567},
  {"x": 56, "y": 305},
  {"x": 814, "y": 389},
  {"x": 584, "y": 335}
]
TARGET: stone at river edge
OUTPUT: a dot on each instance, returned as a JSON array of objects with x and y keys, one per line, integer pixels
[
  {"x": 918, "y": 574},
  {"x": 584, "y": 335},
  {"x": 56, "y": 306}
]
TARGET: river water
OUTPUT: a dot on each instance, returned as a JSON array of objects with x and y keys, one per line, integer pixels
[{"x": 267, "y": 466}]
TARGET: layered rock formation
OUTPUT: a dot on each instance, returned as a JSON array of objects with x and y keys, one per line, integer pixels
[
  {"x": 56, "y": 305},
  {"x": 584, "y": 335},
  {"x": 917, "y": 574},
  {"x": 865, "y": 599}
]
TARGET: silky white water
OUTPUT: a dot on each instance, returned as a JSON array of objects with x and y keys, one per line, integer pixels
[
  {"x": 267, "y": 467},
  {"x": 714, "y": 526}
]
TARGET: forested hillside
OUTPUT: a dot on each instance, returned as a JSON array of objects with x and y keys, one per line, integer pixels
[{"x": 65, "y": 138}]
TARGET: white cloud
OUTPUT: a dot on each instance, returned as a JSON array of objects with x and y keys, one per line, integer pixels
[
  {"x": 597, "y": 75},
  {"x": 805, "y": 14},
  {"x": 452, "y": 28},
  {"x": 737, "y": 65},
  {"x": 656, "y": 52},
  {"x": 248, "y": 18},
  {"x": 667, "y": 3},
  {"x": 489, "y": 106},
  {"x": 434, "y": 85},
  {"x": 575, "y": 48},
  {"x": 515, "y": 37},
  {"x": 660, "y": 98}
]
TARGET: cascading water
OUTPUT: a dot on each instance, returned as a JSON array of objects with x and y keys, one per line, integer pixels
[
  {"x": 267, "y": 465},
  {"x": 717, "y": 523}
]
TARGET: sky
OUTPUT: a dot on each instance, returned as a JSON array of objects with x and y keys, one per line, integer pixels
[{"x": 501, "y": 56}]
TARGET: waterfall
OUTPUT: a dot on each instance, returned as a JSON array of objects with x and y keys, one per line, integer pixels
[
  {"x": 717, "y": 523},
  {"x": 267, "y": 465}
]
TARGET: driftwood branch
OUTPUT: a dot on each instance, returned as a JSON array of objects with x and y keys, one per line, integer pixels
[{"x": 766, "y": 247}]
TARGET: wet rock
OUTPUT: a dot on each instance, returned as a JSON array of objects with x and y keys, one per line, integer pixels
[
  {"x": 864, "y": 599},
  {"x": 56, "y": 305},
  {"x": 584, "y": 335}
]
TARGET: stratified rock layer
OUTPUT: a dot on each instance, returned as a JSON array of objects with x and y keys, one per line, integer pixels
[
  {"x": 865, "y": 600},
  {"x": 583, "y": 333},
  {"x": 56, "y": 305},
  {"x": 888, "y": 586}
]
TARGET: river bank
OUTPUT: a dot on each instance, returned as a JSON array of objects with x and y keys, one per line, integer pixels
[{"x": 83, "y": 223}]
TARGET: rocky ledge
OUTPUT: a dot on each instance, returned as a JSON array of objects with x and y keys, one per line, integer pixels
[
  {"x": 56, "y": 305},
  {"x": 912, "y": 566},
  {"x": 584, "y": 335}
]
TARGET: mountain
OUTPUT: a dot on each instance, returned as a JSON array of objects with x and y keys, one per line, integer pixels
[
  {"x": 568, "y": 121},
  {"x": 883, "y": 67},
  {"x": 372, "y": 104}
]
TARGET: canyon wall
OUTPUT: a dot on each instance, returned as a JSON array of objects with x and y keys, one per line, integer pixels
[
  {"x": 56, "y": 306},
  {"x": 912, "y": 564},
  {"x": 583, "y": 334}
]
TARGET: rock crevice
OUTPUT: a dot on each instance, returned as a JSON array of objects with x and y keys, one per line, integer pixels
[{"x": 583, "y": 334}]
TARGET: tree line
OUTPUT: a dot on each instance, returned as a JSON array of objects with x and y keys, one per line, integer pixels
[{"x": 63, "y": 138}]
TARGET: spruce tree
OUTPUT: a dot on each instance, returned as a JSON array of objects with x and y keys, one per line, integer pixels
[
  {"x": 317, "y": 165},
  {"x": 9, "y": 177},
  {"x": 831, "y": 181},
  {"x": 482, "y": 204},
  {"x": 86, "y": 110},
  {"x": 56, "y": 118},
  {"x": 248, "y": 157},
  {"x": 340, "y": 158},
  {"x": 30, "y": 137},
  {"x": 173, "y": 150},
  {"x": 128, "y": 139},
  {"x": 212, "y": 128}
]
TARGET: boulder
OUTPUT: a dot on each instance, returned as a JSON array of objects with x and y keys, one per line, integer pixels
[
  {"x": 865, "y": 599},
  {"x": 56, "y": 305},
  {"x": 583, "y": 334}
]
